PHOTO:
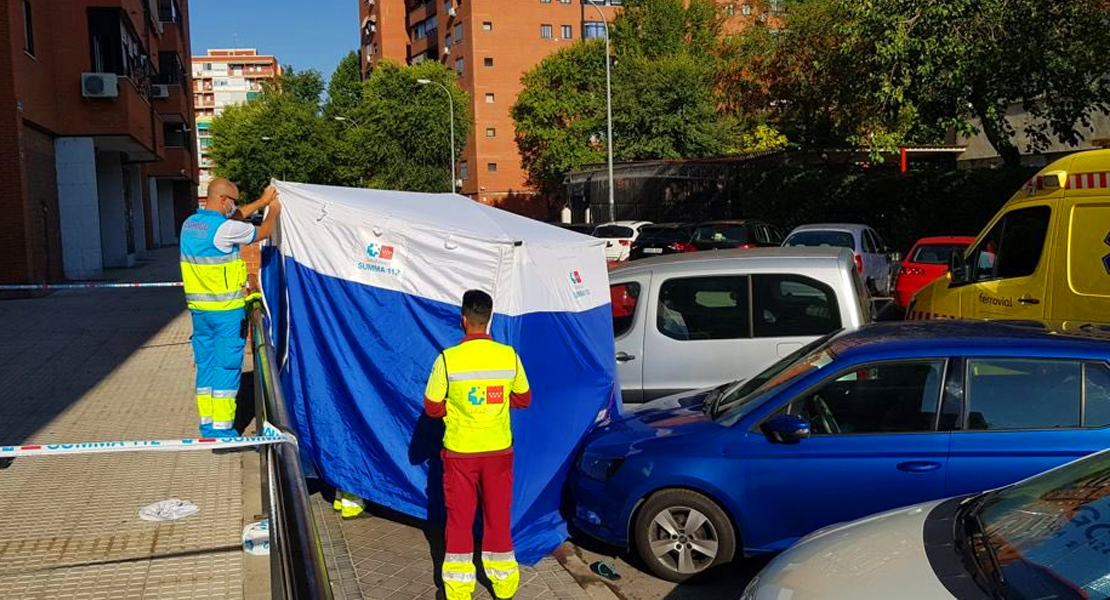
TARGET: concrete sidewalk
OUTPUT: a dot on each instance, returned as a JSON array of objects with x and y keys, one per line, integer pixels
[{"x": 95, "y": 365}]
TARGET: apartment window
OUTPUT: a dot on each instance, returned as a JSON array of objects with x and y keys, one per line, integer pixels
[
  {"x": 730, "y": 9},
  {"x": 491, "y": 132},
  {"x": 545, "y": 1},
  {"x": 170, "y": 69},
  {"x": 447, "y": 6},
  {"x": 114, "y": 47},
  {"x": 168, "y": 11},
  {"x": 488, "y": 62},
  {"x": 568, "y": 32},
  {"x": 545, "y": 32},
  {"x": 447, "y": 40},
  {"x": 776, "y": 7},
  {"x": 464, "y": 170},
  {"x": 174, "y": 136},
  {"x": 593, "y": 30},
  {"x": 487, "y": 26},
  {"x": 489, "y": 98},
  {"x": 28, "y": 29},
  {"x": 491, "y": 167},
  {"x": 425, "y": 28},
  {"x": 458, "y": 33},
  {"x": 459, "y": 65},
  {"x": 746, "y": 9},
  {"x": 604, "y": 2},
  {"x": 564, "y": 1}
]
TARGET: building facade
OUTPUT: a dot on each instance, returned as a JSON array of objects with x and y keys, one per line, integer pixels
[
  {"x": 96, "y": 130},
  {"x": 222, "y": 78},
  {"x": 491, "y": 44}
]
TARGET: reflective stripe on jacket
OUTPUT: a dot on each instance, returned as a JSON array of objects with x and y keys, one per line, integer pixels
[{"x": 213, "y": 279}]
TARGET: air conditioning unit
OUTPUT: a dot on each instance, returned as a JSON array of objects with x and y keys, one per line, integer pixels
[
  {"x": 452, "y": 11},
  {"x": 159, "y": 90},
  {"x": 446, "y": 51},
  {"x": 99, "y": 85}
]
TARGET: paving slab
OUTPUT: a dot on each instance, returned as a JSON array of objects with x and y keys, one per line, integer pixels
[
  {"x": 383, "y": 555},
  {"x": 101, "y": 365}
]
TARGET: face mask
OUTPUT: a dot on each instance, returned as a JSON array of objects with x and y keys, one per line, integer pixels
[{"x": 230, "y": 211}]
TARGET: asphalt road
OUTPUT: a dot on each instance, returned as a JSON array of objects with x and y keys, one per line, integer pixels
[{"x": 722, "y": 583}]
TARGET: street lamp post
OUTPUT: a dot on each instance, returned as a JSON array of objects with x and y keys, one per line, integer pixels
[
  {"x": 451, "y": 106},
  {"x": 267, "y": 138},
  {"x": 350, "y": 120},
  {"x": 608, "y": 114}
]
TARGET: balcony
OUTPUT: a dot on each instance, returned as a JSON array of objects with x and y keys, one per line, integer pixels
[
  {"x": 120, "y": 124},
  {"x": 174, "y": 161},
  {"x": 176, "y": 104}
]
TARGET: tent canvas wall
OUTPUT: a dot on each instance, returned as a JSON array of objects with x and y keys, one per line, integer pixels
[{"x": 364, "y": 288}]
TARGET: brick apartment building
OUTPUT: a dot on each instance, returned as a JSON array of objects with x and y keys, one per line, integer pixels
[
  {"x": 95, "y": 134},
  {"x": 490, "y": 44},
  {"x": 222, "y": 78}
]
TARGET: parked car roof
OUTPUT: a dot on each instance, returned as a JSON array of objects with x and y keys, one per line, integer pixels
[
  {"x": 625, "y": 223},
  {"x": 881, "y": 338},
  {"x": 946, "y": 239},
  {"x": 831, "y": 227},
  {"x": 730, "y": 222},
  {"x": 800, "y": 257}
]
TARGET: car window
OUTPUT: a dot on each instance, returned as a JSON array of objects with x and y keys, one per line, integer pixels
[
  {"x": 1097, "y": 394},
  {"x": 792, "y": 305},
  {"x": 614, "y": 231},
  {"x": 889, "y": 397},
  {"x": 624, "y": 298},
  {"x": 704, "y": 308},
  {"x": 723, "y": 234},
  {"x": 1018, "y": 393},
  {"x": 776, "y": 235},
  {"x": 934, "y": 254},
  {"x": 1013, "y": 247},
  {"x": 869, "y": 245},
  {"x": 665, "y": 235},
  {"x": 880, "y": 245},
  {"x": 837, "y": 239},
  {"x": 761, "y": 234}
]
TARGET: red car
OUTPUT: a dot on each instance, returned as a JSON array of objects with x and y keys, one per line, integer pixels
[{"x": 925, "y": 262}]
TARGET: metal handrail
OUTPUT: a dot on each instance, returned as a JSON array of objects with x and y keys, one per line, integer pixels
[{"x": 297, "y": 568}]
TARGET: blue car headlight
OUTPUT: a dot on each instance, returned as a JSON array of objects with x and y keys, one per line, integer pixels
[{"x": 596, "y": 466}]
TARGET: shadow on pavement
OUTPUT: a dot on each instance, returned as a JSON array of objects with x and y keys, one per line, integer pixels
[{"x": 56, "y": 348}]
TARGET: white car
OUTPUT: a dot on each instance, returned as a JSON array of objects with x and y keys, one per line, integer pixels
[
  {"x": 1045, "y": 537},
  {"x": 619, "y": 236},
  {"x": 872, "y": 256}
]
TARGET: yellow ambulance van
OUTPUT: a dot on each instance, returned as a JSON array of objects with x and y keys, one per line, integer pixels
[{"x": 1044, "y": 256}]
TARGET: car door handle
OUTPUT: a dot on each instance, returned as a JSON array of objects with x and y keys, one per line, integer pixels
[
  {"x": 1028, "y": 300},
  {"x": 625, "y": 357},
  {"x": 918, "y": 466}
]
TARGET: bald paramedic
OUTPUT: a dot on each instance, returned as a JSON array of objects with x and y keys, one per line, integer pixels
[
  {"x": 215, "y": 278},
  {"x": 472, "y": 387}
]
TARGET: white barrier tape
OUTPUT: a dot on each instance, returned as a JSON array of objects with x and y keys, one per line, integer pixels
[
  {"x": 270, "y": 436},
  {"x": 14, "y": 287}
]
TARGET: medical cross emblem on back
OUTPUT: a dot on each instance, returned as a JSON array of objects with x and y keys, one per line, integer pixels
[{"x": 491, "y": 395}]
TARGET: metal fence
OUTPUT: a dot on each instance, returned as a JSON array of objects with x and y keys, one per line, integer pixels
[{"x": 296, "y": 557}]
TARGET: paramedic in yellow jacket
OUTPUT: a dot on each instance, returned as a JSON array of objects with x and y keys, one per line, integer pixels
[
  {"x": 215, "y": 280},
  {"x": 472, "y": 387}
]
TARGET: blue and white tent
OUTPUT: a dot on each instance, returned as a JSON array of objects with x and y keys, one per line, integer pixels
[{"x": 365, "y": 286}]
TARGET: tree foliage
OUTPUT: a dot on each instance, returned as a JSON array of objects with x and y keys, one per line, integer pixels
[
  {"x": 665, "y": 101},
  {"x": 279, "y": 135},
  {"x": 881, "y": 73},
  {"x": 394, "y": 132}
]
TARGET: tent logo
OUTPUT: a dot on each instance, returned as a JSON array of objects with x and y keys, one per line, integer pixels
[
  {"x": 378, "y": 251},
  {"x": 578, "y": 285}
]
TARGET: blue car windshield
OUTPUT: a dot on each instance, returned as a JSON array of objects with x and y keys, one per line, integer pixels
[
  {"x": 741, "y": 397},
  {"x": 1049, "y": 536}
]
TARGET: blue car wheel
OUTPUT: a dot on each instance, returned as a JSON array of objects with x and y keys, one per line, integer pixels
[{"x": 681, "y": 533}]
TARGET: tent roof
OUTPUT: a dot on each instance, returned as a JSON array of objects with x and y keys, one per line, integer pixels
[{"x": 449, "y": 212}]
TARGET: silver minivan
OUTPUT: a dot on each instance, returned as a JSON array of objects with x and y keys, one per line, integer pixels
[{"x": 696, "y": 320}]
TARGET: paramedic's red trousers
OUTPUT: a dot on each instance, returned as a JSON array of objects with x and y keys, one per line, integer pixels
[{"x": 465, "y": 481}]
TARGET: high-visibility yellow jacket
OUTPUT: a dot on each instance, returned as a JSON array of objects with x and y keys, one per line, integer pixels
[
  {"x": 213, "y": 279},
  {"x": 472, "y": 387}
]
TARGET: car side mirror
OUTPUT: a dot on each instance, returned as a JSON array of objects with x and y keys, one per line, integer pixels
[
  {"x": 957, "y": 268},
  {"x": 786, "y": 429}
]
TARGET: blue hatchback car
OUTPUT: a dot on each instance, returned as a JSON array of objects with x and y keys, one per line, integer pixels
[{"x": 855, "y": 423}]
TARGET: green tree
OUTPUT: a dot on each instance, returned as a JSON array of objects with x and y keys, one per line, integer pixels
[
  {"x": 947, "y": 63},
  {"x": 560, "y": 115},
  {"x": 278, "y": 135},
  {"x": 665, "y": 101},
  {"x": 402, "y": 133},
  {"x": 345, "y": 94}
]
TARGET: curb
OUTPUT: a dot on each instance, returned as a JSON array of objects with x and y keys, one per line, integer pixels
[{"x": 580, "y": 571}]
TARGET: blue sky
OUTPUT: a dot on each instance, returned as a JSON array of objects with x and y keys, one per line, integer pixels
[{"x": 308, "y": 34}]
